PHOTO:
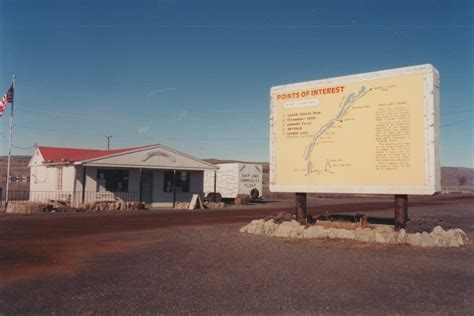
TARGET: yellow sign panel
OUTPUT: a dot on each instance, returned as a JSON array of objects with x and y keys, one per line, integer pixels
[{"x": 370, "y": 133}]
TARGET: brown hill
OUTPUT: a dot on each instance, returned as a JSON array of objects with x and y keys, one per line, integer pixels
[
  {"x": 19, "y": 166},
  {"x": 449, "y": 175}
]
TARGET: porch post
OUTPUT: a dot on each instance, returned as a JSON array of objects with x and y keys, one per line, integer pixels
[
  {"x": 84, "y": 184},
  {"x": 215, "y": 182},
  {"x": 174, "y": 188},
  {"x": 140, "y": 186}
]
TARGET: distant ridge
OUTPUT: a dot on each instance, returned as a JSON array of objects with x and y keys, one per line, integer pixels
[{"x": 449, "y": 175}]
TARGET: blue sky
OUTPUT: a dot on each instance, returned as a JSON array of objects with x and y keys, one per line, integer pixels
[{"x": 195, "y": 75}]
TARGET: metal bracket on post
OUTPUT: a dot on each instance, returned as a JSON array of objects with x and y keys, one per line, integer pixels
[
  {"x": 300, "y": 207},
  {"x": 401, "y": 211}
]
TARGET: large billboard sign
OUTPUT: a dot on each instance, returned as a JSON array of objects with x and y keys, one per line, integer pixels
[{"x": 375, "y": 132}]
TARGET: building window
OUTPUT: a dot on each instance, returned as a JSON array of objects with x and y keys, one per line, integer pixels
[
  {"x": 59, "y": 179},
  {"x": 112, "y": 180},
  {"x": 182, "y": 181}
]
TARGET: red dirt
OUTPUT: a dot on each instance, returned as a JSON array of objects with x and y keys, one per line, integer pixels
[{"x": 37, "y": 245}]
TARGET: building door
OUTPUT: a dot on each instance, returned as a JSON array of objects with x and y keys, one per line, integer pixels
[{"x": 146, "y": 187}]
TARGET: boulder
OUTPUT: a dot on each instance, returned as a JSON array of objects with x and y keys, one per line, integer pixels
[
  {"x": 364, "y": 235},
  {"x": 402, "y": 236},
  {"x": 255, "y": 227},
  {"x": 382, "y": 234},
  {"x": 269, "y": 227},
  {"x": 291, "y": 229},
  {"x": 344, "y": 233},
  {"x": 461, "y": 236},
  {"x": 242, "y": 199},
  {"x": 314, "y": 232}
]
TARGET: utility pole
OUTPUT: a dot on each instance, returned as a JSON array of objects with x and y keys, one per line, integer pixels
[{"x": 108, "y": 140}]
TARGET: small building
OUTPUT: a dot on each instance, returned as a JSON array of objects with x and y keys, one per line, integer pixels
[
  {"x": 154, "y": 174},
  {"x": 235, "y": 178}
]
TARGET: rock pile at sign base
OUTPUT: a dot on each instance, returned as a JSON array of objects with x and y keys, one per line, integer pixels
[{"x": 379, "y": 233}]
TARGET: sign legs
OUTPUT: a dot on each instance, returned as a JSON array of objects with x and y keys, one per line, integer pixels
[
  {"x": 401, "y": 211},
  {"x": 301, "y": 207}
]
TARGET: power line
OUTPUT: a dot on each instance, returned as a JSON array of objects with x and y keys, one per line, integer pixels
[
  {"x": 457, "y": 122},
  {"x": 246, "y": 26},
  {"x": 41, "y": 110},
  {"x": 216, "y": 138},
  {"x": 458, "y": 106},
  {"x": 18, "y": 147},
  {"x": 457, "y": 112}
]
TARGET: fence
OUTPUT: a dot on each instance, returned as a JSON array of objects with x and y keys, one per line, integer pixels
[
  {"x": 74, "y": 198},
  {"x": 70, "y": 197}
]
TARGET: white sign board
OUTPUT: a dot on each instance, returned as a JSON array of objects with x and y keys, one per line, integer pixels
[{"x": 375, "y": 132}]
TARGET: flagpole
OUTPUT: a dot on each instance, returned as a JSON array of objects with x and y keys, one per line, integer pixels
[{"x": 10, "y": 143}]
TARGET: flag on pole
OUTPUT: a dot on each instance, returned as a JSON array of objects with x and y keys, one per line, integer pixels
[{"x": 7, "y": 98}]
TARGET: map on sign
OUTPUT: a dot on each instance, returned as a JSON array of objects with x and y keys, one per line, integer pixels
[
  {"x": 322, "y": 131},
  {"x": 371, "y": 133}
]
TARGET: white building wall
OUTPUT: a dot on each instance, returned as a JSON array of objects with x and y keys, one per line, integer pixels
[
  {"x": 69, "y": 175},
  {"x": 44, "y": 182},
  {"x": 234, "y": 178},
  {"x": 78, "y": 178},
  {"x": 44, "y": 185},
  {"x": 91, "y": 179},
  {"x": 42, "y": 178},
  {"x": 227, "y": 179}
]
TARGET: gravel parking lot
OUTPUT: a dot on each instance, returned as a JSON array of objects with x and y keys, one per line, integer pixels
[{"x": 207, "y": 268}]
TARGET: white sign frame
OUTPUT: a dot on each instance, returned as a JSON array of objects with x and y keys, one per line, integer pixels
[{"x": 432, "y": 179}]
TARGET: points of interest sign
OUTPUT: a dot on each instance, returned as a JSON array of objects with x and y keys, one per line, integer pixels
[{"x": 376, "y": 132}]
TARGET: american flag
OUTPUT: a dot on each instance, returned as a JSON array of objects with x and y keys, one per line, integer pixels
[{"x": 7, "y": 98}]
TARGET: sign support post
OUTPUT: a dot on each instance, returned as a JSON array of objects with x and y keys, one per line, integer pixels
[
  {"x": 300, "y": 199},
  {"x": 401, "y": 211}
]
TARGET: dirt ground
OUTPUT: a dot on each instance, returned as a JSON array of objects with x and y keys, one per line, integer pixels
[{"x": 178, "y": 262}]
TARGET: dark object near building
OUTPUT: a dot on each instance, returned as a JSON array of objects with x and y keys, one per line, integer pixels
[
  {"x": 242, "y": 199},
  {"x": 214, "y": 197},
  {"x": 254, "y": 194}
]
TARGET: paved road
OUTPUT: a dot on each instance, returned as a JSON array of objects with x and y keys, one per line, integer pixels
[{"x": 197, "y": 262}]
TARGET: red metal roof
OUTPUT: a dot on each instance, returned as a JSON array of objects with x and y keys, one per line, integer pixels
[{"x": 61, "y": 154}]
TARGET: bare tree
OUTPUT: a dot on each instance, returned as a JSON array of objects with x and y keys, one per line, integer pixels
[{"x": 461, "y": 180}]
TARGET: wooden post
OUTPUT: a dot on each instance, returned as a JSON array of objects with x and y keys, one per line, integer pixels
[
  {"x": 174, "y": 188},
  {"x": 140, "y": 186},
  {"x": 215, "y": 182},
  {"x": 301, "y": 207},
  {"x": 401, "y": 211},
  {"x": 84, "y": 172}
]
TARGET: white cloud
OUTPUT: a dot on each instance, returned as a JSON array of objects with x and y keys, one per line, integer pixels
[
  {"x": 142, "y": 130},
  {"x": 181, "y": 116},
  {"x": 152, "y": 93}
]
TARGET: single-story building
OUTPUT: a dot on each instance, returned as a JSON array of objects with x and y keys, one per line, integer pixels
[{"x": 154, "y": 174}]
